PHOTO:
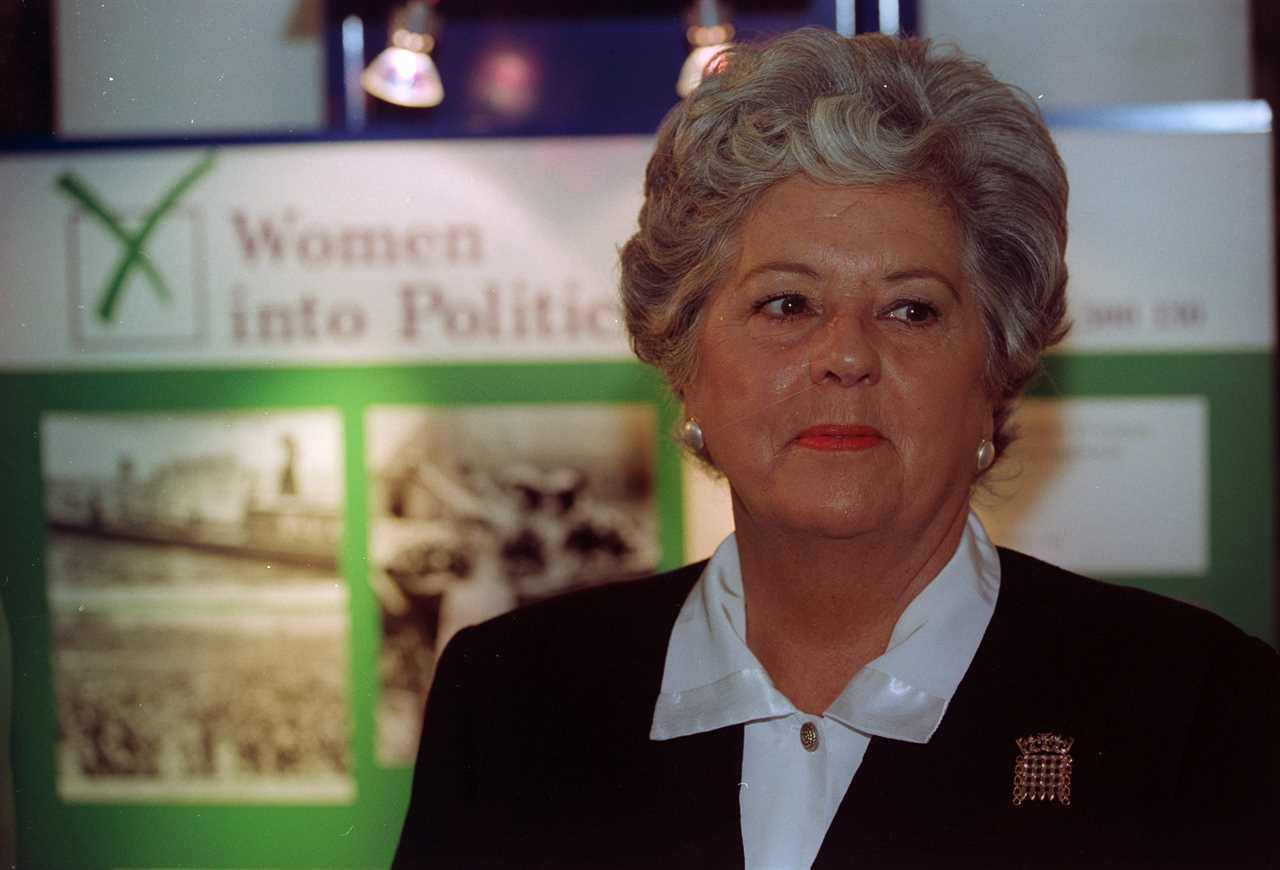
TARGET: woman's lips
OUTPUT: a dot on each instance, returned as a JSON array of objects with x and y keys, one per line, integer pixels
[{"x": 830, "y": 437}]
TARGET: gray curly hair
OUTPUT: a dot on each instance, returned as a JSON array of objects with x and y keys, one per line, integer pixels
[{"x": 867, "y": 110}]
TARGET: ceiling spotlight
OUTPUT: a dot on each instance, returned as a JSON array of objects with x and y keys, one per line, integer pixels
[
  {"x": 709, "y": 34},
  {"x": 404, "y": 73}
]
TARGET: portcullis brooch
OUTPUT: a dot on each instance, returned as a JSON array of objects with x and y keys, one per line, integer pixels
[{"x": 1042, "y": 771}]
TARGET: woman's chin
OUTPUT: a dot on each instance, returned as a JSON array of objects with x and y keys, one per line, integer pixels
[
  {"x": 839, "y": 522},
  {"x": 810, "y": 512}
]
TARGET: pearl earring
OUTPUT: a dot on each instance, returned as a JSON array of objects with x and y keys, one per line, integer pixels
[
  {"x": 986, "y": 454},
  {"x": 691, "y": 435}
]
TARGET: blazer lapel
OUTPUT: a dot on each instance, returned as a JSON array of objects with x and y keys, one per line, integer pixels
[
  {"x": 700, "y": 776},
  {"x": 679, "y": 806},
  {"x": 950, "y": 800}
]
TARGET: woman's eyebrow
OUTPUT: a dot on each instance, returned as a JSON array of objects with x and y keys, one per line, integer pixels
[
  {"x": 789, "y": 266},
  {"x": 924, "y": 273}
]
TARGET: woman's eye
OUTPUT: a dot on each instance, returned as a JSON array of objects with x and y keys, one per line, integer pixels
[
  {"x": 783, "y": 307},
  {"x": 913, "y": 313}
]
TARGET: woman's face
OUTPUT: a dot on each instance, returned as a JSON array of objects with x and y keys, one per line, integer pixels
[{"x": 839, "y": 377}]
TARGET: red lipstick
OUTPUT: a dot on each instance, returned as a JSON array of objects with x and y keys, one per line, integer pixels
[{"x": 832, "y": 437}]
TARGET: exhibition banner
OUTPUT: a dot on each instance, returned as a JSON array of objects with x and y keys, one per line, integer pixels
[{"x": 280, "y": 419}]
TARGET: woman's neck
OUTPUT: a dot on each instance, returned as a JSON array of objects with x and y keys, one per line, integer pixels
[{"x": 818, "y": 609}]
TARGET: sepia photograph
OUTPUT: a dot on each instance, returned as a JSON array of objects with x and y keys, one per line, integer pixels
[
  {"x": 199, "y": 613},
  {"x": 476, "y": 511}
]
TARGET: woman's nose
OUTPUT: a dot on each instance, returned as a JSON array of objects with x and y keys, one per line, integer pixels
[{"x": 844, "y": 354}]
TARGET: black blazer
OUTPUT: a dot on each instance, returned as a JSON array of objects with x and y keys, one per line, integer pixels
[{"x": 536, "y": 750}]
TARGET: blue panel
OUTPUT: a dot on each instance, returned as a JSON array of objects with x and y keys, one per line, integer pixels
[{"x": 585, "y": 76}]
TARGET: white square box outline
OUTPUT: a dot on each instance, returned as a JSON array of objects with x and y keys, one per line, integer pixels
[{"x": 198, "y": 337}]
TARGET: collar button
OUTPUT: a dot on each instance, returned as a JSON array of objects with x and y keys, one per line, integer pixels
[{"x": 809, "y": 737}]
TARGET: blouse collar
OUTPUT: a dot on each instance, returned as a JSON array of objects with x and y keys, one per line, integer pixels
[{"x": 712, "y": 680}]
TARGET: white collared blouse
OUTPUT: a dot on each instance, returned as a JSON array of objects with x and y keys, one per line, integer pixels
[{"x": 797, "y": 767}]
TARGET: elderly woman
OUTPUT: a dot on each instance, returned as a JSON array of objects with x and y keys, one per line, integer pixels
[{"x": 849, "y": 261}]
